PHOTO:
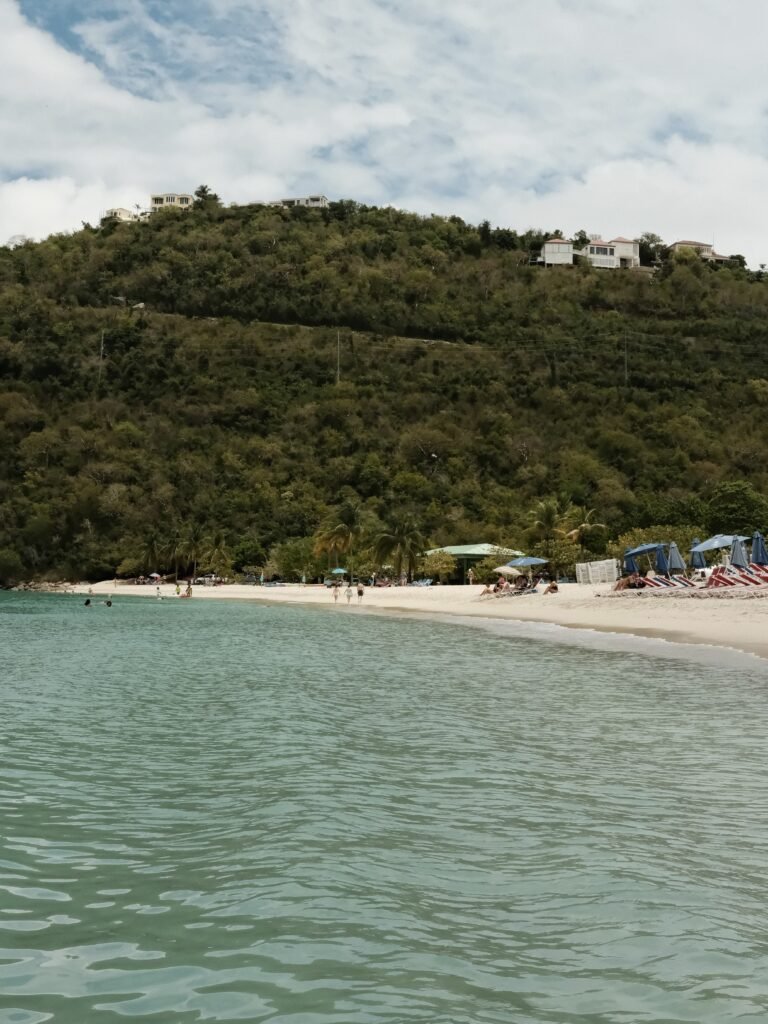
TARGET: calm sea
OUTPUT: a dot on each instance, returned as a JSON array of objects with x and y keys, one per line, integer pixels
[{"x": 213, "y": 811}]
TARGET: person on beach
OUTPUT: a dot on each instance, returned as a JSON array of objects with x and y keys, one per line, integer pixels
[
  {"x": 87, "y": 602},
  {"x": 360, "y": 592},
  {"x": 157, "y": 591},
  {"x": 178, "y": 589},
  {"x": 335, "y": 589},
  {"x": 552, "y": 588},
  {"x": 348, "y": 593},
  {"x": 470, "y": 577},
  {"x": 188, "y": 592}
]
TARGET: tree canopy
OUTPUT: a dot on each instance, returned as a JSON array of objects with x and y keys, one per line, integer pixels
[{"x": 211, "y": 384}]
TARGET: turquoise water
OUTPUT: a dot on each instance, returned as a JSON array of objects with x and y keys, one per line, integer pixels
[{"x": 213, "y": 811}]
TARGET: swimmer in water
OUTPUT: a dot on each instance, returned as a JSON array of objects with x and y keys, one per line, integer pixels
[{"x": 87, "y": 602}]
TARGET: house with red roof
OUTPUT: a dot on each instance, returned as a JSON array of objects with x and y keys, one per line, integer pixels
[{"x": 704, "y": 249}]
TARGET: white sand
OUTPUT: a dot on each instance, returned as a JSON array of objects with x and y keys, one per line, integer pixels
[{"x": 724, "y": 618}]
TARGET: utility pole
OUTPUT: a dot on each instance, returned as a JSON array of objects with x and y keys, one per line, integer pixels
[
  {"x": 338, "y": 356},
  {"x": 626, "y": 362}
]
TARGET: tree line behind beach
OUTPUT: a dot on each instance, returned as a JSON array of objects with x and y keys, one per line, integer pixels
[{"x": 222, "y": 385}]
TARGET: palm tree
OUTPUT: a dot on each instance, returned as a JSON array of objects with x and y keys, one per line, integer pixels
[
  {"x": 341, "y": 531},
  {"x": 401, "y": 541},
  {"x": 550, "y": 519},
  {"x": 194, "y": 544},
  {"x": 585, "y": 527},
  {"x": 152, "y": 551},
  {"x": 216, "y": 554},
  {"x": 175, "y": 550}
]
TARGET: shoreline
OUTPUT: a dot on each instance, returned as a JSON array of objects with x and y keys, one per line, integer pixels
[{"x": 726, "y": 620}]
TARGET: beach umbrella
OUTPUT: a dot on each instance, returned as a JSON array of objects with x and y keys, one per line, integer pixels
[
  {"x": 759, "y": 552},
  {"x": 676, "y": 563},
  {"x": 738, "y": 554},
  {"x": 154, "y": 575},
  {"x": 720, "y": 540},
  {"x": 630, "y": 565},
  {"x": 698, "y": 561},
  {"x": 338, "y": 572},
  {"x": 662, "y": 565},
  {"x": 526, "y": 561},
  {"x": 507, "y": 570}
]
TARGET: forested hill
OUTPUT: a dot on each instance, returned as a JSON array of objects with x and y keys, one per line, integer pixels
[{"x": 177, "y": 377}]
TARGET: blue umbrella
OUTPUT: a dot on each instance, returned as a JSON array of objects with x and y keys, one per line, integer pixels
[
  {"x": 526, "y": 560},
  {"x": 338, "y": 572},
  {"x": 720, "y": 540},
  {"x": 662, "y": 565},
  {"x": 698, "y": 561},
  {"x": 759, "y": 552},
  {"x": 739, "y": 554},
  {"x": 676, "y": 563},
  {"x": 630, "y": 565}
]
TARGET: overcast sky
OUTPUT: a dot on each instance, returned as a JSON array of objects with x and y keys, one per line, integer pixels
[{"x": 616, "y": 116}]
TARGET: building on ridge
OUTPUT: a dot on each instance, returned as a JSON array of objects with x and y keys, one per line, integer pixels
[
  {"x": 617, "y": 254},
  {"x": 311, "y": 202},
  {"x": 704, "y": 249},
  {"x": 121, "y": 213},
  {"x": 176, "y": 200}
]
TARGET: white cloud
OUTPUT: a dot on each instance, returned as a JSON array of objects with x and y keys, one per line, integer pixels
[{"x": 614, "y": 115}]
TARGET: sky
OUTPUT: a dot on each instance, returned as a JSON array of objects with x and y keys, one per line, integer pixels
[{"x": 615, "y": 116}]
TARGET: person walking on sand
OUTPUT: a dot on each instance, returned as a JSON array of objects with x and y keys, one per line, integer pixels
[
  {"x": 178, "y": 589},
  {"x": 335, "y": 589},
  {"x": 348, "y": 593},
  {"x": 470, "y": 577},
  {"x": 360, "y": 592}
]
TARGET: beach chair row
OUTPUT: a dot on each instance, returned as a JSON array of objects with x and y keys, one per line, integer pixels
[
  {"x": 753, "y": 575},
  {"x": 668, "y": 583}
]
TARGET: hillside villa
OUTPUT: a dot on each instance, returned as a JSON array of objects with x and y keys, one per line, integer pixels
[{"x": 617, "y": 254}]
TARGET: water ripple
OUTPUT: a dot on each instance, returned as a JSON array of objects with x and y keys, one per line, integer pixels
[{"x": 229, "y": 813}]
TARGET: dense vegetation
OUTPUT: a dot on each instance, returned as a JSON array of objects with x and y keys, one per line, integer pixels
[{"x": 169, "y": 393}]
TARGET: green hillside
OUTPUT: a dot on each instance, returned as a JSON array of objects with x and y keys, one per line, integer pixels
[{"x": 472, "y": 385}]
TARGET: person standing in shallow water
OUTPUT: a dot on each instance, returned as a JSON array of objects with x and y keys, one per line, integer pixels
[
  {"x": 360, "y": 592},
  {"x": 348, "y": 593},
  {"x": 335, "y": 589}
]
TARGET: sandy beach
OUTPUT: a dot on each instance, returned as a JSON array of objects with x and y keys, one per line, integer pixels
[{"x": 724, "y": 618}]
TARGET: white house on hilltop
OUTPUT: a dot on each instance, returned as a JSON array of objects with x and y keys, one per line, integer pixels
[
  {"x": 311, "y": 202},
  {"x": 121, "y": 213},
  {"x": 557, "y": 252},
  {"x": 619, "y": 253},
  {"x": 176, "y": 201},
  {"x": 704, "y": 249}
]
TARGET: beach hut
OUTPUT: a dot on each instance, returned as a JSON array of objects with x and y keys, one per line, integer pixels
[{"x": 467, "y": 555}]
